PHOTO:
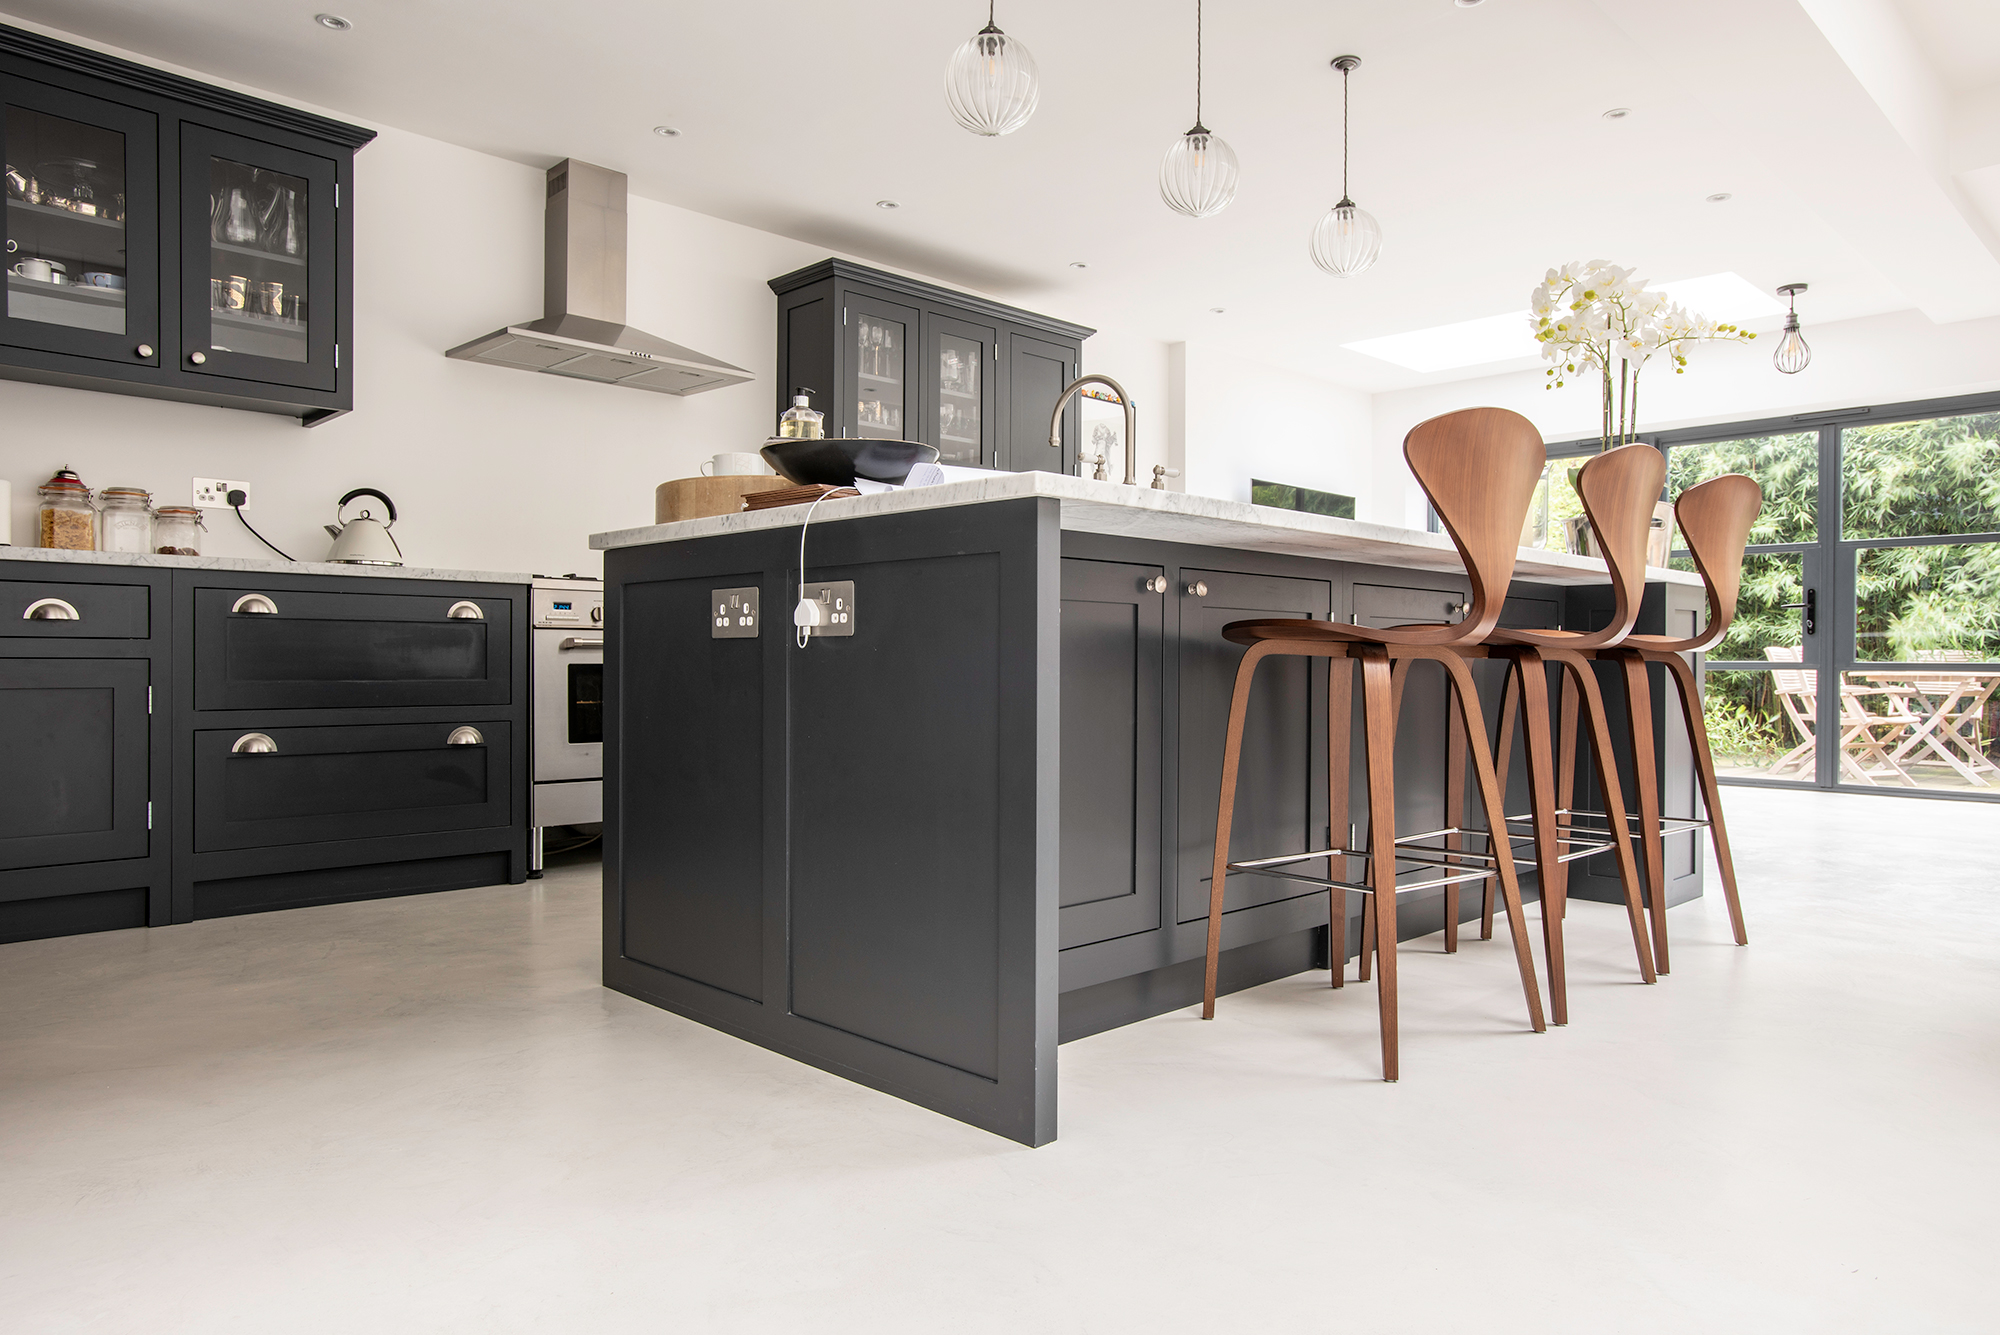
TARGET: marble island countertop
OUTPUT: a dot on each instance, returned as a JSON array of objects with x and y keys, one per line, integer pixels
[
  {"x": 250, "y": 566},
  {"x": 1166, "y": 516}
]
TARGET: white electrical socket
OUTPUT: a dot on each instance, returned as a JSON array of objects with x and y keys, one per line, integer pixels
[{"x": 213, "y": 493}]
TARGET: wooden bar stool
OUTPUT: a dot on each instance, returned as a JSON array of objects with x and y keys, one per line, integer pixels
[
  {"x": 1714, "y": 518},
  {"x": 1480, "y": 468},
  {"x": 1619, "y": 489}
]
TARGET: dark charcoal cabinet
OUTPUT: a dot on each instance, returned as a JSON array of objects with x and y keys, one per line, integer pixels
[
  {"x": 894, "y": 358},
  {"x": 204, "y": 237}
]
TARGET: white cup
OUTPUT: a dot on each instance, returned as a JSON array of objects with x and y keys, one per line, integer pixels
[
  {"x": 735, "y": 465},
  {"x": 39, "y": 270}
]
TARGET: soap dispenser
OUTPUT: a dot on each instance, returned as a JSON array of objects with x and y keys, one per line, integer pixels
[{"x": 800, "y": 422}]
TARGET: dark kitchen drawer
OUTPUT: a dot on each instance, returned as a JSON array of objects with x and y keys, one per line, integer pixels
[
  {"x": 1382, "y": 605},
  {"x": 322, "y": 650},
  {"x": 359, "y": 782},
  {"x": 74, "y": 745},
  {"x": 90, "y": 611}
]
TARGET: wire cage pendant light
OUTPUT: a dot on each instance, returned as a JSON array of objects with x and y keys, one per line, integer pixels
[
  {"x": 990, "y": 84},
  {"x": 1198, "y": 174},
  {"x": 1792, "y": 355},
  {"x": 1348, "y": 238}
]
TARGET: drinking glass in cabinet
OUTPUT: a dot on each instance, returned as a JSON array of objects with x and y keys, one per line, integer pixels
[
  {"x": 65, "y": 222},
  {"x": 258, "y": 250}
]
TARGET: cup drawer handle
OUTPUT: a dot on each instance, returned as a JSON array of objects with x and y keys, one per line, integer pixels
[
  {"x": 254, "y": 602},
  {"x": 466, "y": 736},
  {"x": 464, "y": 611},
  {"x": 254, "y": 744},
  {"x": 51, "y": 609}
]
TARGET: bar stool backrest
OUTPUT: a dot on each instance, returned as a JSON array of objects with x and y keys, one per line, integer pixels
[
  {"x": 1715, "y": 518},
  {"x": 1619, "y": 489},
  {"x": 1480, "y": 468}
]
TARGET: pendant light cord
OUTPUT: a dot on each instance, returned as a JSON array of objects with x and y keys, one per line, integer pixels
[
  {"x": 1197, "y": 63},
  {"x": 1343, "y": 133}
]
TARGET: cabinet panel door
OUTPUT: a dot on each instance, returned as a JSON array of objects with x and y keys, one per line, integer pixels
[
  {"x": 348, "y": 650},
  {"x": 881, "y": 370},
  {"x": 1281, "y": 793},
  {"x": 73, "y": 734},
  {"x": 1382, "y": 605},
  {"x": 1036, "y": 374},
  {"x": 958, "y": 365},
  {"x": 258, "y": 261},
  {"x": 83, "y": 244},
  {"x": 1112, "y": 659},
  {"x": 316, "y": 784}
]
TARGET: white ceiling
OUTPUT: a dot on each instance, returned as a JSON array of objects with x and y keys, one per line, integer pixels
[{"x": 1478, "y": 141}]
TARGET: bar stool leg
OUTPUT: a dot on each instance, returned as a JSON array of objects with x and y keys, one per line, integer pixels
[
  {"x": 1339, "y": 819},
  {"x": 1711, "y": 794},
  {"x": 1565, "y": 777},
  {"x": 1379, "y": 718},
  {"x": 1225, "y": 810},
  {"x": 1585, "y": 680},
  {"x": 1496, "y": 817},
  {"x": 1639, "y": 717},
  {"x": 1454, "y": 807},
  {"x": 1534, "y": 680}
]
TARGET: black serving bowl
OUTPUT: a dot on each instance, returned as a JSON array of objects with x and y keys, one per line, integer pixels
[{"x": 838, "y": 462}]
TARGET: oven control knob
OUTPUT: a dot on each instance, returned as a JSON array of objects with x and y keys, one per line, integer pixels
[{"x": 597, "y": 614}]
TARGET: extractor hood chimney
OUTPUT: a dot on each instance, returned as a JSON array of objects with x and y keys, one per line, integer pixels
[{"x": 582, "y": 332}]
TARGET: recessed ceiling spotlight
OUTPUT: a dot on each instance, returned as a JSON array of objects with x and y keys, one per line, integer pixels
[
  {"x": 1217, "y": 310},
  {"x": 887, "y": 204},
  {"x": 1078, "y": 264},
  {"x": 1468, "y": 4},
  {"x": 1617, "y": 113},
  {"x": 333, "y": 21},
  {"x": 667, "y": 131},
  {"x": 1721, "y": 197}
]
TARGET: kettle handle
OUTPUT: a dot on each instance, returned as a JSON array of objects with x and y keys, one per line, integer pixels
[{"x": 366, "y": 491}]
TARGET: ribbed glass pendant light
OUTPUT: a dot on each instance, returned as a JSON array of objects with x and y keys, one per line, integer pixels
[
  {"x": 1198, "y": 175},
  {"x": 1347, "y": 239},
  {"x": 990, "y": 82},
  {"x": 1792, "y": 356}
]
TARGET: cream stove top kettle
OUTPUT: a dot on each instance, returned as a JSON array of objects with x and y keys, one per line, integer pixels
[{"x": 364, "y": 540}]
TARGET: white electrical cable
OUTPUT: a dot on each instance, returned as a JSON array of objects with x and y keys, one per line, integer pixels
[{"x": 807, "y": 614}]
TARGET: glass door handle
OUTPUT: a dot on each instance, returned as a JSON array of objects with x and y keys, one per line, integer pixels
[{"x": 1811, "y": 606}]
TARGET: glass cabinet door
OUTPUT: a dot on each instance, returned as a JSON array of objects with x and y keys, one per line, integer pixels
[
  {"x": 879, "y": 336},
  {"x": 959, "y": 359},
  {"x": 82, "y": 249},
  {"x": 258, "y": 295}
]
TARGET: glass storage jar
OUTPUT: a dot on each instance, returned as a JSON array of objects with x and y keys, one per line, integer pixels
[
  {"x": 68, "y": 518},
  {"x": 127, "y": 519},
  {"x": 177, "y": 531}
]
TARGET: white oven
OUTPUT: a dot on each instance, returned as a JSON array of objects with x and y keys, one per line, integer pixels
[{"x": 566, "y": 672}]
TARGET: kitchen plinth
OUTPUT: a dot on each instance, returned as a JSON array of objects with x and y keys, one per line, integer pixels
[{"x": 924, "y": 853}]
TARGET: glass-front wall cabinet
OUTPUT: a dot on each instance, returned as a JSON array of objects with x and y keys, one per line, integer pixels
[
  {"x": 81, "y": 272},
  {"x": 961, "y": 357},
  {"x": 879, "y": 357},
  {"x": 259, "y": 291}
]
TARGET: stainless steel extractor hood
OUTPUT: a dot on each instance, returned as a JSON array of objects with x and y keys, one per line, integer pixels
[{"x": 582, "y": 332}]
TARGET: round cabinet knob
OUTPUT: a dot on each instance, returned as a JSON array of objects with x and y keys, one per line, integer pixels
[
  {"x": 1157, "y": 584},
  {"x": 143, "y": 350},
  {"x": 597, "y": 615},
  {"x": 254, "y": 744},
  {"x": 465, "y": 737},
  {"x": 1198, "y": 589},
  {"x": 198, "y": 358}
]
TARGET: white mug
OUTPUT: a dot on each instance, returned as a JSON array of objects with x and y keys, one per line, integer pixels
[
  {"x": 39, "y": 270},
  {"x": 735, "y": 465}
]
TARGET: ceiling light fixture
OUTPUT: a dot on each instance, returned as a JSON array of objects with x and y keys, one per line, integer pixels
[
  {"x": 887, "y": 204},
  {"x": 1078, "y": 264},
  {"x": 667, "y": 131},
  {"x": 1617, "y": 113},
  {"x": 990, "y": 83},
  {"x": 1347, "y": 239},
  {"x": 333, "y": 21},
  {"x": 1792, "y": 356},
  {"x": 1217, "y": 310},
  {"x": 1198, "y": 175},
  {"x": 1720, "y": 197},
  {"x": 1468, "y": 4}
]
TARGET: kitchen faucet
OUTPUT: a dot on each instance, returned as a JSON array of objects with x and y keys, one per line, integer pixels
[{"x": 1131, "y": 426}]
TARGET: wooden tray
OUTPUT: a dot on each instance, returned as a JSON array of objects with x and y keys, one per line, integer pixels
[{"x": 700, "y": 497}]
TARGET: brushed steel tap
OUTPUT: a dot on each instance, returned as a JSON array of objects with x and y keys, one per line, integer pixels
[{"x": 1131, "y": 426}]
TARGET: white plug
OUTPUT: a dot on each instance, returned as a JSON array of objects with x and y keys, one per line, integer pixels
[{"x": 808, "y": 613}]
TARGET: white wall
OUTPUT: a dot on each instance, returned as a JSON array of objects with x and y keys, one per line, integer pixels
[
  {"x": 491, "y": 469},
  {"x": 1240, "y": 419}
]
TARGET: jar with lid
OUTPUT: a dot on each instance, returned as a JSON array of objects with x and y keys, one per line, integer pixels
[
  {"x": 67, "y": 513},
  {"x": 128, "y": 519},
  {"x": 177, "y": 531}
]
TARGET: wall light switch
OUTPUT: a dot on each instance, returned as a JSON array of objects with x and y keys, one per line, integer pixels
[
  {"x": 732, "y": 614},
  {"x": 213, "y": 493},
  {"x": 836, "y": 602}
]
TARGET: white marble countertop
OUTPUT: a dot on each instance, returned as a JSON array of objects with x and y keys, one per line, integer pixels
[
  {"x": 1165, "y": 516},
  {"x": 247, "y": 566}
]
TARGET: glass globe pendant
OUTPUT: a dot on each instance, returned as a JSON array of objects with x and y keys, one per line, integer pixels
[
  {"x": 1792, "y": 356},
  {"x": 1198, "y": 174},
  {"x": 1348, "y": 238},
  {"x": 990, "y": 83}
]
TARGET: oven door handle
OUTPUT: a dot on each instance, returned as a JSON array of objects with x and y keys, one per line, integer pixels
[{"x": 578, "y": 642}]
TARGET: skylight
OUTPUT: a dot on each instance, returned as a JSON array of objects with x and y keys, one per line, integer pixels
[{"x": 1505, "y": 338}]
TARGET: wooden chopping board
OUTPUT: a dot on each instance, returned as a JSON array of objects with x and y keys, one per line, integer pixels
[{"x": 700, "y": 497}]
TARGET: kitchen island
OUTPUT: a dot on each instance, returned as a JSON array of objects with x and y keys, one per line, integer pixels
[{"x": 923, "y": 853}]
